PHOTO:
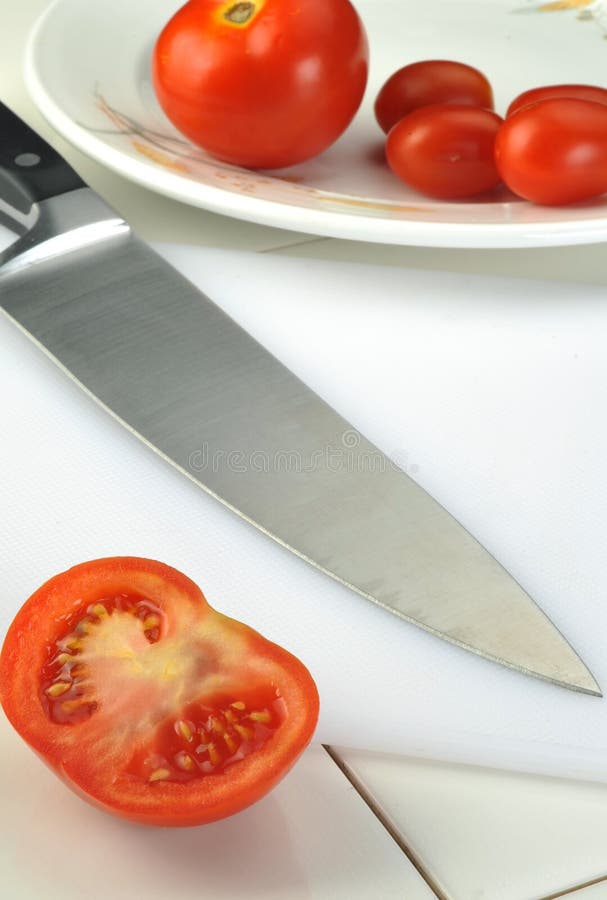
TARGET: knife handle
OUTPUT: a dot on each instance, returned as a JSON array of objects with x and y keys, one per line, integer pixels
[{"x": 26, "y": 158}]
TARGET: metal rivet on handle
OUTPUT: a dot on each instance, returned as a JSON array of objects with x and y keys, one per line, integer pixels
[{"x": 27, "y": 160}]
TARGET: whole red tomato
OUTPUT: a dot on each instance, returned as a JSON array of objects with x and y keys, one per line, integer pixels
[
  {"x": 446, "y": 150},
  {"x": 146, "y": 701},
  {"x": 575, "y": 91},
  {"x": 262, "y": 84},
  {"x": 555, "y": 152},
  {"x": 430, "y": 81}
]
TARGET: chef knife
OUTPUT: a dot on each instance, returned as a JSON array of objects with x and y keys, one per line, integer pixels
[{"x": 172, "y": 367}]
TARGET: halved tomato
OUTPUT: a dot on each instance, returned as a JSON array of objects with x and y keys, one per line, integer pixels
[{"x": 146, "y": 701}]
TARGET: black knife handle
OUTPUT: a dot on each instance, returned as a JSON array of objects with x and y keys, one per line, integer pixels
[{"x": 32, "y": 162}]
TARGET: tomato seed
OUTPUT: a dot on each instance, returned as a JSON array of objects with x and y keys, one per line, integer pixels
[
  {"x": 160, "y": 775},
  {"x": 182, "y": 728},
  {"x": 78, "y": 670},
  {"x": 230, "y": 742},
  {"x": 74, "y": 644},
  {"x": 99, "y": 610},
  {"x": 247, "y": 734},
  {"x": 185, "y": 762},
  {"x": 214, "y": 755},
  {"x": 216, "y": 725},
  {"x": 62, "y": 659},
  {"x": 70, "y": 706},
  {"x": 58, "y": 688}
]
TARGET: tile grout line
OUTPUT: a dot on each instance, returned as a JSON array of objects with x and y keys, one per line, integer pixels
[
  {"x": 387, "y": 824},
  {"x": 312, "y": 239},
  {"x": 411, "y": 856},
  {"x": 574, "y": 890}
]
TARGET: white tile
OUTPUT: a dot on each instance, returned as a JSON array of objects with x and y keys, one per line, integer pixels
[
  {"x": 312, "y": 838},
  {"x": 488, "y": 835}
]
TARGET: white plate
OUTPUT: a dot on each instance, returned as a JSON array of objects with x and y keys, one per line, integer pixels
[{"x": 87, "y": 68}]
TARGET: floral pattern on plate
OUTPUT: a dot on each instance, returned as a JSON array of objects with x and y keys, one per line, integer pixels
[
  {"x": 181, "y": 157},
  {"x": 588, "y": 10}
]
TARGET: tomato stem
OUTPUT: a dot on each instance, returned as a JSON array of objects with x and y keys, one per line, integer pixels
[{"x": 240, "y": 13}]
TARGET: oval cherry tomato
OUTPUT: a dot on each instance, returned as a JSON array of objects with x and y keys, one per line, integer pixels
[
  {"x": 555, "y": 152},
  {"x": 446, "y": 150},
  {"x": 574, "y": 91},
  {"x": 146, "y": 701},
  {"x": 263, "y": 84},
  {"x": 431, "y": 81}
]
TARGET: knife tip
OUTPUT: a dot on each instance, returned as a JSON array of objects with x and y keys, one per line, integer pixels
[
  {"x": 587, "y": 684},
  {"x": 595, "y": 691}
]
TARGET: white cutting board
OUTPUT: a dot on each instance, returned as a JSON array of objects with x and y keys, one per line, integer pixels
[{"x": 491, "y": 393}]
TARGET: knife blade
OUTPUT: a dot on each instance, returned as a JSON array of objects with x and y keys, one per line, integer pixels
[{"x": 185, "y": 378}]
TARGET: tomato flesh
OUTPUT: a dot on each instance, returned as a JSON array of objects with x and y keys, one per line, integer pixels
[
  {"x": 207, "y": 738},
  {"x": 67, "y": 692},
  {"x": 146, "y": 701}
]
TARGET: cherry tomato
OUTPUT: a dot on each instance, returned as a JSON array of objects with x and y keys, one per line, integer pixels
[
  {"x": 263, "y": 84},
  {"x": 431, "y": 81},
  {"x": 146, "y": 701},
  {"x": 555, "y": 152},
  {"x": 445, "y": 150},
  {"x": 575, "y": 91}
]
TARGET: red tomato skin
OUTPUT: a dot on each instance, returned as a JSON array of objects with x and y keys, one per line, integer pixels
[
  {"x": 554, "y": 91},
  {"x": 555, "y": 152},
  {"x": 445, "y": 151},
  {"x": 70, "y": 751},
  {"x": 271, "y": 93},
  {"x": 429, "y": 82}
]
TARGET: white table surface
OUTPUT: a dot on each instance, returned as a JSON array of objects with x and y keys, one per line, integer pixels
[{"x": 353, "y": 824}]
